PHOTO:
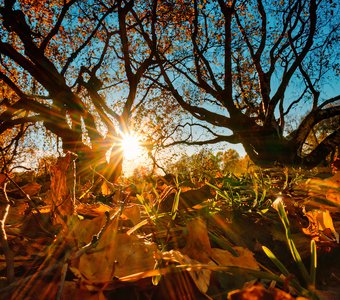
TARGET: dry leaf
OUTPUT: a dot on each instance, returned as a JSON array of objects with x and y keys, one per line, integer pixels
[
  {"x": 105, "y": 190},
  {"x": 133, "y": 255},
  {"x": 84, "y": 230},
  {"x": 3, "y": 178},
  {"x": 328, "y": 188},
  {"x": 198, "y": 250},
  {"x": 60, "y": 193},
  {"x": 132, "y": 213},
  {"x": 31, "y": 189},
  {"x": 319, "y": 221},
  {"x": 198, "y": 245},
  {"x": 72, "y": 291},
  {"x": 244, "y": 260},
  {"x": 259, "y": 292},
  {"x": 333, "y": 194},
  {"x": 92, "y": 210},
  {"x": 201, "y": 277},
  {"x": 116, "y": 255},
  {"x": 188, "y": 198}
]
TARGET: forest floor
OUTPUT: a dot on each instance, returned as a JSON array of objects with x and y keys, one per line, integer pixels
[{"x": 267, "y": 234}]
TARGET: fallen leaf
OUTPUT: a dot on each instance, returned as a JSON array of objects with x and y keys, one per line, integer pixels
[
  {"x": 3, "y": 178},
  {"x": 31, "y": 189},
  {"x": 244, "y": 260},
  {"x": 188, "y": 198},
  {"x": 319, "y": 221},
  {"x": 198, "y": 250},
  {"x": 72, "y": 291},
  {"x": 60, "y": 192},
  {"x": 115, "y": 255},
  {"x": 93, "y": 209},
  {"x": 105, "y": 189},
  {"x": 197, "y": 241},
  {"x": 333, "y": 194},
  {"x": 132, "y": 213},
  {"x": 259, "y": 292},
  {"x": 328, "y": 188},
  {"x": 201, "y": 277}
]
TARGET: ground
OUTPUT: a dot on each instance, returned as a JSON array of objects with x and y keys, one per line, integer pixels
[{"x": 251, "y": 236}]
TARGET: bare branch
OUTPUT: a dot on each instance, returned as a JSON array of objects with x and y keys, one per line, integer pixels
[
  {"x": 298, "y": 60},
  {"x": 56, "y": 27},
  {"x": 323, "y": 149},
  {"x": 75, "y": 54}
]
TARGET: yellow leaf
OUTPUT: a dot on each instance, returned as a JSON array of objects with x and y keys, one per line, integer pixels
[
  {"x": 116, "y": 255},
  {"x": 198, "y": 245},
  {"x": 105, "y": 189},
  {"x": 319, "y": 220},
  {"x": 201, "y": 277},
  {"x": 244, "y": 260},
  {"x": 132, "y": 213}
]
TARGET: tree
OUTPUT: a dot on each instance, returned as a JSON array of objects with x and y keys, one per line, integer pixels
[
  {"x": 70, "y": 66},
  {"x": 241, "y": 68},
  {"x": 204, "y": 164},
  {"x": 230, "y": 160}
]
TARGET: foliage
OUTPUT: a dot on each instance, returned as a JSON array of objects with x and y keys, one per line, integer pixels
[
  {"x": 73, "y": 66},
  {"x": 207, "y": 165}
]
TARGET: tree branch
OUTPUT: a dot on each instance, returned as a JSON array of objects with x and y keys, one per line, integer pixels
[
  {"x": 298, "y": 60},
  {"x": 313, "y": 118},
  {"x": 328, "y": 145},
  {"x": 56, "y": 27}
]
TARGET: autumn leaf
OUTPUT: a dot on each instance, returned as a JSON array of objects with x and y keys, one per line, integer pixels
[
  {"x": 198, "y": 245},
  {"x": 319, "y": 222},
  {"x": 132, "y": 213},
  {"x": 32, "y": 188},
  {"x": 259, "y": 292},
  {"x": 245, "y": 258},
  {"x": 116, "y": 255},
  {"x": 328, "y": 188},
  {"x": 93, "y": 209},
  {"x": 200, "y": 276},
  {"x": 3, "y": 178},
  {"x": 72, "y": 291},
  {"x": 198, "y": 250}
]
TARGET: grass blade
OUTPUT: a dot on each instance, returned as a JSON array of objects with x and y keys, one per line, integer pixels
[
  {"x": 293, "y": 250},
  {"x": 276, "y": 261},
  {"x": 313, "y": 262},
  {"x": 174, "y": 208}
]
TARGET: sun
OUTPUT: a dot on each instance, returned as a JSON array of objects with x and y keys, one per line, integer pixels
[{"x": 131, "y": 146}]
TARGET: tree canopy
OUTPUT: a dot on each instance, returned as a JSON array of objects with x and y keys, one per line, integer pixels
[{"x": 70, "y": 65}]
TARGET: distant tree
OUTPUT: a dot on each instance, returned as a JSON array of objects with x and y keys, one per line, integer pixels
[
  {"x": 241, "y": 68},
  {"x": 229, "y": 160},
  {"x": 11, "y": 140},
  {"x": 72, "y": 67},
  {"x": 204, "y": 164}
]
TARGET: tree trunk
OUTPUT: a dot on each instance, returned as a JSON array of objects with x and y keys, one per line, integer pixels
[
  {"x": 91, "y": 159},
  {"x": 266, "y": 148}
]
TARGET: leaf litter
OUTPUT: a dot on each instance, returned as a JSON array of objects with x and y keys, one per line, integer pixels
[{"x": 139, "y": 242}]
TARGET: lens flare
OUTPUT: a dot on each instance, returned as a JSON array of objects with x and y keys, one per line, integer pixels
[{"x": 131, "y": 146}]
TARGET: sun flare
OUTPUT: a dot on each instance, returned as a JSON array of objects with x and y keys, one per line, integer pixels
[{"x": 131, "y": 146}]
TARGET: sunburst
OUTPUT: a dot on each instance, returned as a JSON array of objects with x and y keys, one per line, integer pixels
[{"x": 131, "y": 146}]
